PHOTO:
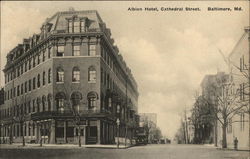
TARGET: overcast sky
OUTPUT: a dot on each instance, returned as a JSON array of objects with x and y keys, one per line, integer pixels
[{"x": 168, "y": 52}]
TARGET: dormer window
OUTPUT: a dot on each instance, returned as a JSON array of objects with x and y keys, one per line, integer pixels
[
  {"x": 76, "y": 25},
  {"x": 83, "y": 26},
  {"x": 70, "y": 26}
]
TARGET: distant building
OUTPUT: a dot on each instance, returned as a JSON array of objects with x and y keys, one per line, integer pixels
[
  {"x": 68, "y": 80},
  {"x": 149, "y": 120},
  {"x": 145, "y": 117},
  {"x": 211, "y": 89}
]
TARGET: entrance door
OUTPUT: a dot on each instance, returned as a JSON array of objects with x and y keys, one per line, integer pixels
[{"x": 91, "y": 136}]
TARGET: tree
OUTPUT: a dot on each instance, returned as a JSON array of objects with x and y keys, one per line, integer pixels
[{"x": 202, "y": 119}]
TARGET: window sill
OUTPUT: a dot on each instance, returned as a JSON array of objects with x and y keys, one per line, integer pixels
[
  {"x": 59, "y": 82},
  {"x": 76, "y": 82},
  {"x": 91, "y": 81}
]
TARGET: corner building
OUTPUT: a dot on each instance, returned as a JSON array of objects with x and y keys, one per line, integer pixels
[{"x": 67, "y": 82}]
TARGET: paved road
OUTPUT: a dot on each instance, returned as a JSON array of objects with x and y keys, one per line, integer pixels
[{"x": 141, "y": 152}]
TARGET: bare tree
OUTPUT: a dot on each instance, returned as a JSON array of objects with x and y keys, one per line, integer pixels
[
  {"x": 75, "y": 110},
  {"x": 20, "y": 118}
]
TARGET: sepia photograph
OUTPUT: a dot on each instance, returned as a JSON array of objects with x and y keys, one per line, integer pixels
[{"x": 125, "y": 79}]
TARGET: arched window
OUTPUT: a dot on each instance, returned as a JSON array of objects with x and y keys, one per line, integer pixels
[
  {"x": 92, "y": 74},
  {"x": 38, "y": 101},
  {"x": 102, "y": 102},
  {"x": 49, "y": 101},
  {"x": 60, "y": 75},
  {"x": 75, "y": 98},
  {"x": 92, "y": 97},
  {"x": 38, "y": 80},
  {"x": 76, "y": 74},
  {"x": 60, "y": 97},
  {"x": 43, "y": 77},
  {"x": 43, "y": 103},
  {"x": 49, "y": 75}
]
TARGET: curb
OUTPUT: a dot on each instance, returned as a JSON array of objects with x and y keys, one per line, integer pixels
[{"x": 230, "y": 149}]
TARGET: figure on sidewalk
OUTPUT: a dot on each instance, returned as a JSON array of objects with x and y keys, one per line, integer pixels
[{"x": 235, "y": 143}]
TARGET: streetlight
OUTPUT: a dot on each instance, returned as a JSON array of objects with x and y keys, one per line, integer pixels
[
  {"x": 1, "y": 134},
  {"x": 118, "y": 125}
]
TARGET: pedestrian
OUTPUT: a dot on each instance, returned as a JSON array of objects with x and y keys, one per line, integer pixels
[{"x": 235, "y": 143}]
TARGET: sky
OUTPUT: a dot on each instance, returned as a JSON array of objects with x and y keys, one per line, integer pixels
[{"x": 169, "y": 53}]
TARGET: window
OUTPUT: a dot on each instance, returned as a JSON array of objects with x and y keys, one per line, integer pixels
[
  {"x": 38, "y": 101},
  {"x": 242, "y": 63},
  {"x": 21, "y": 88},
  {"x": 83, "y": 26},
  {"x": 43, "y": 103},
  {"x": 49, "y": 75},
  {"x": 38, "y": 81},
  {"x": 14, "y": 92},
  {"x": 92, "y": 97},
  {"x": 49, "y": 102},
  {"x": 101, "y": 75},
  {"x": 29, "y": 127},
  {"x": 34, "y": 106},
  {"x": 38, "y": 59},
  {"x": 76, "y": 50},
  {"x": 43, "y": 77},
  {"x": 21, "y": 69},
  {"x": 75, "y": 98},
  {"x": 29, "y": 106},
  {"x": 18, "y": 90},
  {"x": 11, "y": 93},
  {"x": 60, "y": 75},
  {"x": 49, "y": 52},
  {"x": 60, "y": 51},
  {"x": 70, "y": 26},
  {"x": 33, "y": 127},
  {"x": 92, "y": 50},
  {"x": 76, "y": 26},
  {"x": 76, "y": 74},
  {"x": 34, "y": 61},
  {"x": 34, "y": 83},
  {"x": 43, "y": 55},
  {"x": 108, "y": 81},
  {"x": 105, "y": 78},
  {"x": 18, "y": 71},
  {"x": 25, "y": 87},
  {"x": 60, "y": 101},
  {"x": 29, "y": 85},
  {"x": 242, "y": 120},
  {"x": 25, "y": 67},
  {"x": 30, "y": 60},
  {"x": 92, "y": 74}
]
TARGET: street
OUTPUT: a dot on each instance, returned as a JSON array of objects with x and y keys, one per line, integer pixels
[{"x": 139, "y": 152}]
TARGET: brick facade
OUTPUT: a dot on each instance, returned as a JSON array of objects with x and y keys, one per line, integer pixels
[{"x": 69, "y": 80}]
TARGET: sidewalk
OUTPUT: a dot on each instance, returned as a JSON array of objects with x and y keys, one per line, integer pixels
[{"x": 59, "y": 146}]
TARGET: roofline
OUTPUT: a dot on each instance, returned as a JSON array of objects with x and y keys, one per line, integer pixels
[{"x": 246, "y": 32}]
